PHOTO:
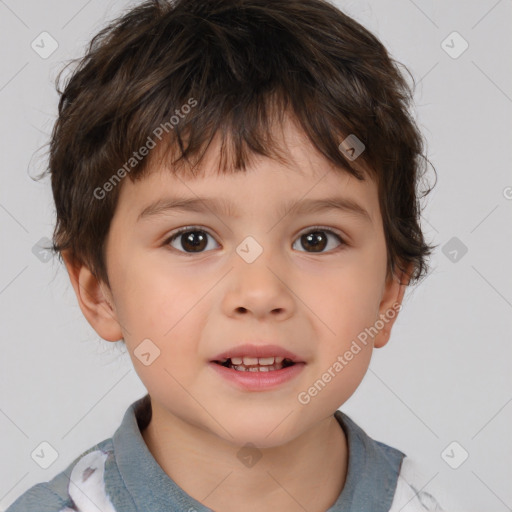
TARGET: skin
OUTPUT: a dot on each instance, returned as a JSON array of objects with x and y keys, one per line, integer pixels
[{"x": 194, "y": 307}]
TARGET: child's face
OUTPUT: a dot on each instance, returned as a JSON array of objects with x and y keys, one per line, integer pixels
[{"x": 195, "y": 306}]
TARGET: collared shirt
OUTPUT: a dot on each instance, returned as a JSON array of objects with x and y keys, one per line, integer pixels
[{"x": 120, "y": 475}]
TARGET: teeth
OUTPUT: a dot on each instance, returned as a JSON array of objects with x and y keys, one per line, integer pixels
[
  {"x": 248, "y": 361},
  {"x": 254, "y": 364},
  {"x": 253, "y": 361},
  {"x": 265, "y": 360},
  {"x": 257, "y": 368}
]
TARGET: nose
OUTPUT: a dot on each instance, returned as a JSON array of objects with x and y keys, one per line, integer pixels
[{"x": 259, "y": 288}]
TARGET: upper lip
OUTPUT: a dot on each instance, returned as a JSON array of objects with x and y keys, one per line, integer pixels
[{"x": 251, "y": 350}]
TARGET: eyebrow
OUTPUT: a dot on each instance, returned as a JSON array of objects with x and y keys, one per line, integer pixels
[{"x": 223, "y": 206}]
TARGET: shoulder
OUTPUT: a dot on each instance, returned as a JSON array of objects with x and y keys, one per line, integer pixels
[
  {"x": 65, "y": 492},
  {"x": 409, "y": 494},
  {"x": 40, "y": 498}
]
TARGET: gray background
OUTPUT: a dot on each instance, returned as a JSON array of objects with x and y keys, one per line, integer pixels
[{"x": 445, "y": 375}]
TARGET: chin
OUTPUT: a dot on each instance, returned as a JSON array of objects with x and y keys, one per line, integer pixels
[{"x": 262, "y": 433}]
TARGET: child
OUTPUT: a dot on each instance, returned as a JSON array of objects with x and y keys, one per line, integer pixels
[{"x": 235, "y": 188}]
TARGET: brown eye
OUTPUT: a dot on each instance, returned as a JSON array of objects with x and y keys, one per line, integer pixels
[
  {"x": 191, "y": 240},
  {"x": 317, "y": 240},
  {"x": 194, "y": 240}
]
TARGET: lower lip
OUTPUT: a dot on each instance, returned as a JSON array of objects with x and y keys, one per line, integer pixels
[{"x": 258, "y": 381}]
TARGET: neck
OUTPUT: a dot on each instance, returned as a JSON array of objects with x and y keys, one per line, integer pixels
[{"x": 307, "y": 473}]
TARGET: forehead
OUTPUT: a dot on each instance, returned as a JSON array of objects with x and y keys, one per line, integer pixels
[{"x": 299, "y": 172}]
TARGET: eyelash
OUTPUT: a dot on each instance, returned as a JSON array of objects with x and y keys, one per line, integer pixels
[{"x": 312, "y": 229}]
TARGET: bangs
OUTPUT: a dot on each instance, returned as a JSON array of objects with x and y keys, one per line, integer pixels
[{"x": 253, "y": 129}]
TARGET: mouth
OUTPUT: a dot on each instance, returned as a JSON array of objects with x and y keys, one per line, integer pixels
[{"x": 256, "y": 364}]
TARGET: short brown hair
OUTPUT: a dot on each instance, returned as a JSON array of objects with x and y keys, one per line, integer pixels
[{"x": 243, "y": 63}]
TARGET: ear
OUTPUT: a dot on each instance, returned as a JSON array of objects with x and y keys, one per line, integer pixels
[
  {"x": 391, "y": 304},
  {"x": 94, "y": 298}
]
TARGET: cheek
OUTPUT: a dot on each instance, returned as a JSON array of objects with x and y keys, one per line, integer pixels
[
  {"x": 167, "y": 309},
  {"x": 350, "y": 372},
  {"x": 346, "y": 303},
  {"x": 336, "y": 378},
  {"x": 150, "y": 299}
]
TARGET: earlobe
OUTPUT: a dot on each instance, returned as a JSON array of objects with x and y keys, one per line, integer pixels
[
  {"x": 94, "y": 300},
  {"x": 390, "y": 305}
]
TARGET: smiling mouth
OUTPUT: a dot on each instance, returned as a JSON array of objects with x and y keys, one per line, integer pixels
[{"x": 262, "y": 364}]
